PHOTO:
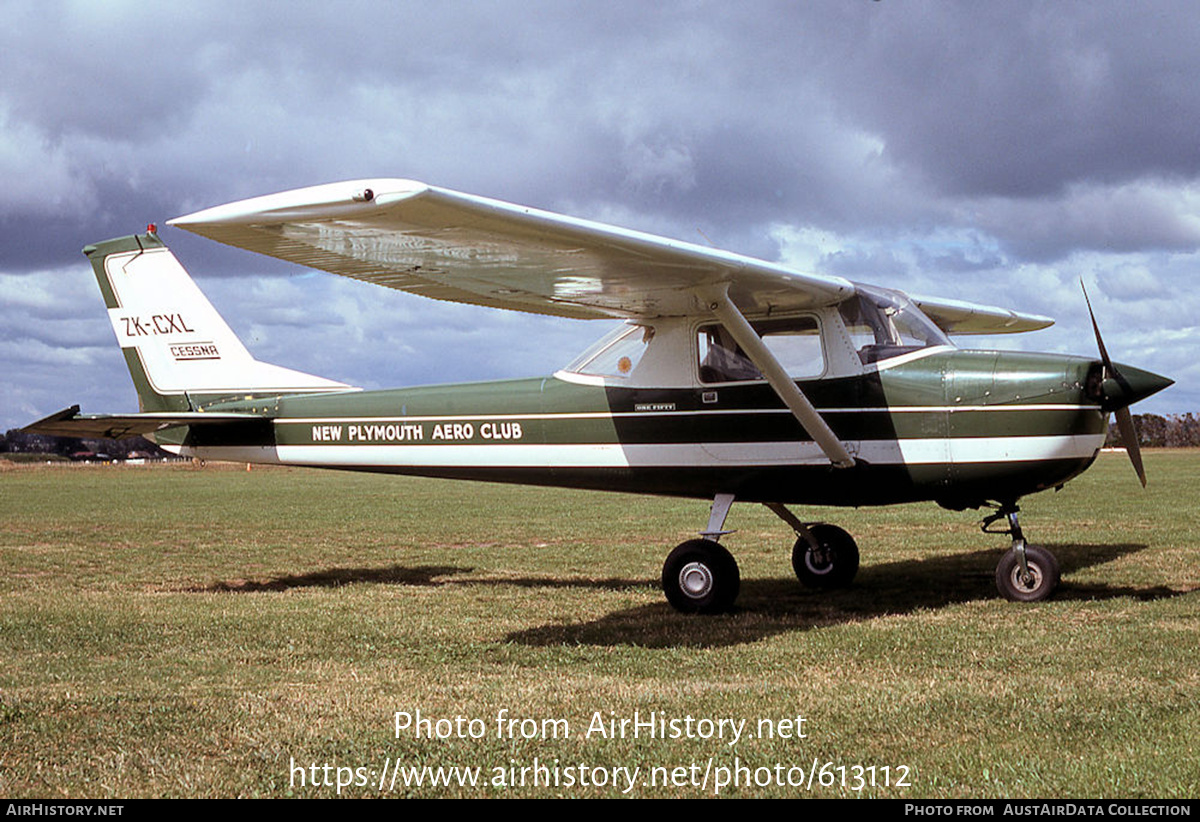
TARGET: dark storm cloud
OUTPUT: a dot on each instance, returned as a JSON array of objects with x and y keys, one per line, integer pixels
[
  {"x": 33, "y": 240},
  {"x": 1148, "y": 215},
  {"x": 778, "y": 112},
  {"x": 1025, "y": 99}
]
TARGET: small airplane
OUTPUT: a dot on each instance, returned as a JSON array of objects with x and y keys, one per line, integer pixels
[{"x": 731, "y": 378}]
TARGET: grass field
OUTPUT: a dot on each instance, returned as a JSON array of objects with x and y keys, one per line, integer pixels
[{"x": 168, "y": 631}]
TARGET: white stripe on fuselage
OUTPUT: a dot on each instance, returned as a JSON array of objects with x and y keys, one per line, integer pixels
[
  {"x": 596, "y": 415},
  {"x": 690, "y": 455}
]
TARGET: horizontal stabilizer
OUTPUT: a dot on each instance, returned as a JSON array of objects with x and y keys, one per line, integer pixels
[{"x": 70, "y": 423}]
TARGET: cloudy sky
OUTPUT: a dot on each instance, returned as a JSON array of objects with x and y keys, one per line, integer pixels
[{"x": 993, "y": 152}]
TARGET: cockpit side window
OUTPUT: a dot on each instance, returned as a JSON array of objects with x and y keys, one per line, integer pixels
[
  {"x": 616, "y": 354},
  {"x": 795, "y": 342},
  {"x": 884, "y": 324}
]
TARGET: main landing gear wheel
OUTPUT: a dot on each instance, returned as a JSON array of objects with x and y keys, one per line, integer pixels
[
  {"x": 701, "y": 577},
  {"x": 1039, "y": 583},
  {"x": 832, "y": 563}
]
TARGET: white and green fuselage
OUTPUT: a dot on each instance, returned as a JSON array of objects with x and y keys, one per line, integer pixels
[{"x": 915, "y": 435}]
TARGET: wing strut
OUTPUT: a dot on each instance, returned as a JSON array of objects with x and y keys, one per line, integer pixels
[{"x": 777, "y": 377}]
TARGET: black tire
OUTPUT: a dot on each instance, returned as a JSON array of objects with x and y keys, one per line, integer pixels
[
  {"x": 1043, "y": 572},
  {"x": 701, "y": 577},
  {"x": 832, "y": 564}
]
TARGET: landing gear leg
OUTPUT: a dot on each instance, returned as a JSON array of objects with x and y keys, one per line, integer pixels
[
  {"x": 1026, "y": 573},
  {"x": 824, "y": 555},
  {"x": 700, "y": 576}
]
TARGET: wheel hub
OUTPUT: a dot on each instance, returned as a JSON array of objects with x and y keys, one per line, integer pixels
[
  {"x": 695, "y": 579},
  {"x": 1027, "y": 582},
  {"x": 818, "y": 560}
]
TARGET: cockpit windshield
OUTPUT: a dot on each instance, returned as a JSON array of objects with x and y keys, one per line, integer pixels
[{"x": 884, "y": 323}]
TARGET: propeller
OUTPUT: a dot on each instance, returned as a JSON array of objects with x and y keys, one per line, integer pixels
[{"x": 1124, "y": 418}]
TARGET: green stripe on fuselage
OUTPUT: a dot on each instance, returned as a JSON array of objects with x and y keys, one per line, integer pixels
[{"x": 951, "y": 395}]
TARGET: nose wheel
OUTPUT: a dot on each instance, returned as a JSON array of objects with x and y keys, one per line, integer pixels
[
  {"x": 1026, "y": 573},
  {"x": 1036, "y": 581}
]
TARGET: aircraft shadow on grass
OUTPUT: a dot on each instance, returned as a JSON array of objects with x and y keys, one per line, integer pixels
[
  {"x": 420, "y": 576},
  {"x": 765, "y": 606}
]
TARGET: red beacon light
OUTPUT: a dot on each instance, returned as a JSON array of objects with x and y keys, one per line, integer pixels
[{"x": 151, "y": 229}]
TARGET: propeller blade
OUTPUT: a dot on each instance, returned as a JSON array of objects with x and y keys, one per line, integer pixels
[
  {"x": 1108, "y": 366},
  {"x": 1124, "y": 418},
  {"x": 1130, "y": 438}
]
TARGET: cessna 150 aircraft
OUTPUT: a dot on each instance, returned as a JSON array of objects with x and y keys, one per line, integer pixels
[{"x": 731, "y": 378}]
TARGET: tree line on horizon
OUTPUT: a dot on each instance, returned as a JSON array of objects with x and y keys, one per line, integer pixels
[
  {"x": 16, "y": 441},
  {"x": 1160, "y": 431}
]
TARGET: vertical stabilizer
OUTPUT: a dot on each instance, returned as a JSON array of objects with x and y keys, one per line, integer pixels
[{"x": 179, "y": 350}]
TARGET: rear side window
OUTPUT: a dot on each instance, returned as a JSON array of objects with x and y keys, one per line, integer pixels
[{"x": 795, "y": 342}]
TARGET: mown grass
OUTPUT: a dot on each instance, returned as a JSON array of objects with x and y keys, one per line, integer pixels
[{"x": 179, "y": 632}]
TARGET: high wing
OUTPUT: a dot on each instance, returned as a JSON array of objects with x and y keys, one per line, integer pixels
[{"x": 453, "y": 246}]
